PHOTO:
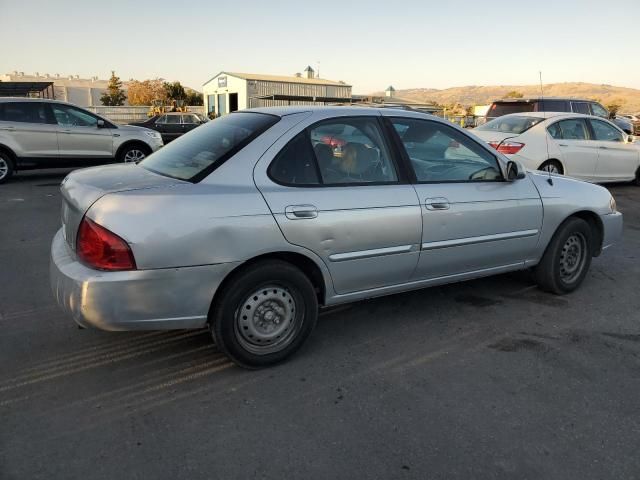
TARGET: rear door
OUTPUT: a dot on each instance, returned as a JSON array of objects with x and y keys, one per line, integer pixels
[
  {"x": 579, "y": 151},
  {"x": 617, "y": 159},
  {"x": 30, "y": 130},
  {"x": 335, "y": 189},
  {"x": 473, "y": 220},
  {"x": 172, "y": 127},
  {"x": 79, "y": 137}
]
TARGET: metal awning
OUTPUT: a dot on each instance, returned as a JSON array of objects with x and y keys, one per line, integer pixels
[
  {"x": 27, "y": 89},
  {"x": 300, "y": 98}
]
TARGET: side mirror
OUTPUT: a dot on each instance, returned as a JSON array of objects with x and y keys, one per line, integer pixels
[
  {"x": 515, "y": 171},
  {"x": 101, "y": 123},
  {"x": 631, "y": 139}
]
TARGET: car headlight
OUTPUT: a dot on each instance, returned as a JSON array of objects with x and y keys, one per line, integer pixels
[
  {"x": 612, "y": 205},
  {"x": 153, "y": 134}
]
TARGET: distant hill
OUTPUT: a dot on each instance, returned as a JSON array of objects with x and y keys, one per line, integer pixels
[{"x": 629, "y": 98}]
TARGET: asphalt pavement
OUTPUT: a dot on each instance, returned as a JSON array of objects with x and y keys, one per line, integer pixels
[{"x": 487, "y": 379}]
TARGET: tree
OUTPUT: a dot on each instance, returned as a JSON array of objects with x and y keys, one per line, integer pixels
[
  {"x": 194, "y": 98},
  {"x": 614, "y": 105},
  {"x": 114, "y": 96},
  {"x": 175, "y": 91},
  {"x": 145, "y": 92},
  {"x": 514, "y": 94}
]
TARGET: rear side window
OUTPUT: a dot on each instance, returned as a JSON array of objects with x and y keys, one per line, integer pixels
[
  {"x": 511, "y": 124},
  {"x": 570, "y": 129},
  {"x": 341, "y": 151},
  {"x": 553, "y": 106},
  {"x": 196, "y": 154},
  {"x": 499, "y": 109},
  {"x": 24, "y": 112}
]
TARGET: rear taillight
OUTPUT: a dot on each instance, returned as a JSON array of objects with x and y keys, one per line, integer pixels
[
  {"x": 508, "y": 148},
  {"x": 99, "y": 248}
]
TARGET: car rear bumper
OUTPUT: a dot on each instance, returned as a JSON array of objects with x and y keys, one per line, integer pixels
[
  {"x": 612, "y": 228},
  {"x": 162, "y": 299}
]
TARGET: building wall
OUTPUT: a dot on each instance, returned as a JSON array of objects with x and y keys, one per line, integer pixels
[
  {"x": 234, "y": 85},
  {"x": 84, "y": 92}
]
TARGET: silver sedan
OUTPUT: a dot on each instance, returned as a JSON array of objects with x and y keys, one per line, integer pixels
[{"x": 251, "y": 222}]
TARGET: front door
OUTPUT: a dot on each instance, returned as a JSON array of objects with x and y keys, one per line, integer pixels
[
  {"x": 578, "y": 149},
  {"x": 335, "y": 190},
  {"x": 32, "y": 128},
  {"x": 79, "y": 137},
  {"x": 473, "y": 220},
  {"x": 617, "y": 159}
]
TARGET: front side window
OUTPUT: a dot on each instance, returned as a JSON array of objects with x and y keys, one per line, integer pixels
[
  {"x": 189, "y": 119},
  {"x": 439, "y": 153},
  {"x": 172, "y": 119},
  {"x": 68, "y": 116},
  {"x": 24, "y": 112},
  {"x": 605, "y": 132},
  {"x": 571, "y": 129},
  {"x": 511, "y": 124},
  {"x": 192, "y": 157},
  {"x": 599, "y": 110},
  {"x": 581, "y": 107}
]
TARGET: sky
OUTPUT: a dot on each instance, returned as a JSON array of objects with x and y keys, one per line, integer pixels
[{"x": 368, "y": 44}]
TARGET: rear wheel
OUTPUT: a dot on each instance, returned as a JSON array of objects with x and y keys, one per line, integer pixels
[
  {"x": 134, "y": 153},
  {"x": 552, "y": 166},
  {"x": 6, "y": 167},
  {"x": 637, "y": 180},
  {"x": 566, "y": 261},
  {"x": 264, "y": 314}
]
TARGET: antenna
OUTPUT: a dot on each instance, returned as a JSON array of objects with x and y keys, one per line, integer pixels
[
  {"x": 546, "y": 134},
  {"x": 318, "y": 70}
]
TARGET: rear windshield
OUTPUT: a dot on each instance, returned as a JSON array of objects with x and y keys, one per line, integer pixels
[
  {"x": 513, "y": 124},
  {"x": 498, "y": 109},
  {"x": 197, "y": 153}
]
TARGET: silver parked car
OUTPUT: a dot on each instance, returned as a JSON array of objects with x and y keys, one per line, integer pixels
[
  {"x": 250, "y": 222},
  {"x": 38, "y": 133}
]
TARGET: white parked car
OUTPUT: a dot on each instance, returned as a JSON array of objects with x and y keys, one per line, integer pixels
[{"x": 581, "y": 146}]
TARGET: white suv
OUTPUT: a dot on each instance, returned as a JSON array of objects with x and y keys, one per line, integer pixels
[{"x": 38, "y": 133}]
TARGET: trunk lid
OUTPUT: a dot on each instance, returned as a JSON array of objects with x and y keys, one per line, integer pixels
[{"x": 82, "y": 188}]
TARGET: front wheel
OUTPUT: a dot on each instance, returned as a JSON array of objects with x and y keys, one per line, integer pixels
[
  {"x": 6, "y": 167},
  {"x": 134, "y": 153},
  {"x": 264, "y": 314},
  {"x": 566, "y": 261}
]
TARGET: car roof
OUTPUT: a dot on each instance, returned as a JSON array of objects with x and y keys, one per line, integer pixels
[
  {"x": 547, "y": 115},
  {"x": 29, "y": 99},
  {"x": 537, "y": 99}
]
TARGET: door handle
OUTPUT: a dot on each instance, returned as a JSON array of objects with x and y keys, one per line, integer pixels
[
  {"x": 299, "y": 212},
  {"x": 563, "y": 145},
  {"x": 602, "y": 147},
  {"x": 7, "y": 128},
  {"x": 438, "y": 203},
  {"x": 66, "y": 131}
]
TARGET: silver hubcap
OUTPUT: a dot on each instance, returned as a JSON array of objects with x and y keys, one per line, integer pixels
[
  {"x": 134, "y": 155},
  {"x": 267, "y": 322},
  {"x": 551, "y": 168},
  {"x": 572, "y": 257},
  {"x": 4, "y": 168}
]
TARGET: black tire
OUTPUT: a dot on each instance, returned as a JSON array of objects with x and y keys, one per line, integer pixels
[
  {"x": 6, "y": 167},
  {"x": 284, "y": 300},
  {"x": 637, "y": 180},
  {"x": 562, "y": 269},
  {"x": 552, "y": 163},
  {"x": 128, "y": 152}
]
